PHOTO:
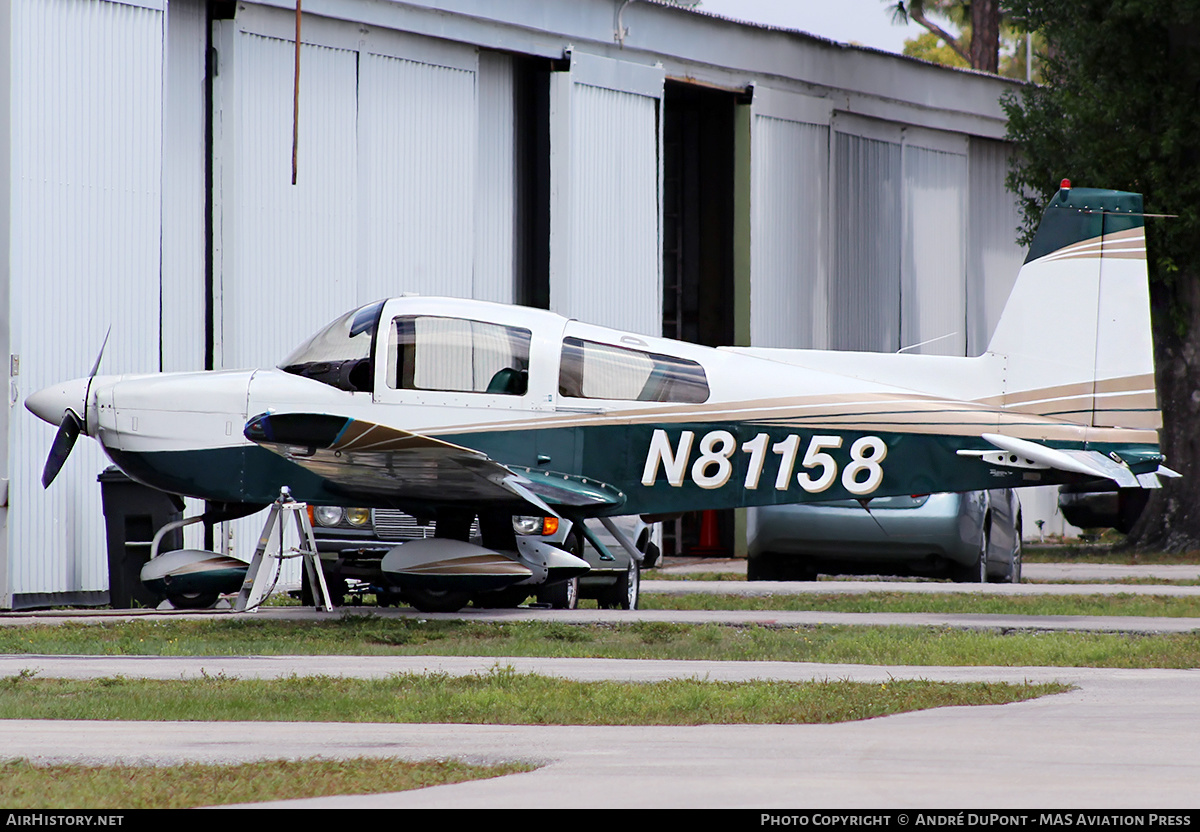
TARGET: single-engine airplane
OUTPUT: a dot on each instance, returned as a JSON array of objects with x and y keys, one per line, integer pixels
[{"x": 445, "y": 407}]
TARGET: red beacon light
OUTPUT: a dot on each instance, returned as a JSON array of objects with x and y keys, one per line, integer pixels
[{"x": 1065, "y": 185}]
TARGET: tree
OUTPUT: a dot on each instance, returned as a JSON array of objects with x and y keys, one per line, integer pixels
[
  {"x": 1120, "y": 108},
  {"x": 981, "y": 18}
]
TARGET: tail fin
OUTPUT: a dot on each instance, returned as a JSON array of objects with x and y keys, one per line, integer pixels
[{"x": 1076, "y": 329}]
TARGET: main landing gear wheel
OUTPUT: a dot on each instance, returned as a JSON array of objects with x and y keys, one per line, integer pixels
[
  {"x": 437, "y": 600},
  {"x": 193, "y": 600},
  {"x": 501, "y": 599}
]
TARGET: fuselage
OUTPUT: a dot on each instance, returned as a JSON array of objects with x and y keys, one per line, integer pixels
[{"x": 668, "y": 425}]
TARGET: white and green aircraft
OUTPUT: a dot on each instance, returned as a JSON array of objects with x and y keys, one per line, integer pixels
[{"x": 445, "y": 407}]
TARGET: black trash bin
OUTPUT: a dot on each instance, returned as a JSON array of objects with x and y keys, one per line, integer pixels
[{"x": 132, "y": 514}]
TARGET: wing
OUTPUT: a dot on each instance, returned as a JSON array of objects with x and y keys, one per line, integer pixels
[{"x": 361, "y": 457}]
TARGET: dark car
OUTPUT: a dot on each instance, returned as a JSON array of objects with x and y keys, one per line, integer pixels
[{"x": 1102, "y": 504}]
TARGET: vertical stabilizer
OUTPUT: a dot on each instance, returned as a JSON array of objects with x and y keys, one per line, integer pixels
[{"x": 1075, "y": 334}]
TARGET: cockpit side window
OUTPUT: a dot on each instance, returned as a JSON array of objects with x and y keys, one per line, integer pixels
[
  {"x": 590, "y": 370},
  {"x": 458, "y": 355},
  {"x": 342, "y": 354}
]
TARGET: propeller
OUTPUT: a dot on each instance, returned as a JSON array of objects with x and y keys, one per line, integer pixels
[
  {"x": 64, "y": 441},
  {"x": 71, "y": 426}
]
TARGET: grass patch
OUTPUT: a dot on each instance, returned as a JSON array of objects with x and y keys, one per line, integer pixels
[
  {"x": 658, "y": 575},
  {"x": 1127, "y": 581},
  {"x": 372, "y": 636},
  {"x": 1103, "y": 553},
  {"x": 955, "y": 603},
  {"x": 499, "y": 697},
  {"x": 24, "y": 785}
]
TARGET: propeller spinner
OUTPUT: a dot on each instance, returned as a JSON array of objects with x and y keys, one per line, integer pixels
[{"x": 65, "y": 405}]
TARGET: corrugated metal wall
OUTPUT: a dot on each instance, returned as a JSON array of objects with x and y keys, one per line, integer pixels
[
  {"x": 184, "y": 187},
  {"x": 288, "y": 252},
  {"x": 386, "y": 199},
  {"x": 496, "y": 181},
  {"x": 993, "y": 257},
  {"x": 606, "y": 243},
  {"x": 933, "y": 270},
  {"x": 865, "y": 287},
  {"x": 789, "y": 286},
  {"x": 86, "y": 139},
  {"x": 417, "y": 135}
]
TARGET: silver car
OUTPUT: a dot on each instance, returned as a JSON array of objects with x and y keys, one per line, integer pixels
[
  {"x": 614, "y": 582},
  {"x": 973, "y": 536}
]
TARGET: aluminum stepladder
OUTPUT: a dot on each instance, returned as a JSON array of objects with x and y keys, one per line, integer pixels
[{"x": 270, "y": 552}]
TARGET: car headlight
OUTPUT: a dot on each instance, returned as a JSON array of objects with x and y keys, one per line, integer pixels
[
  {"x": 328, "y": 515},
  {"x": 535, "y": 525},
  {"x": 358, "y": 517},
  {"x": 527, "y": 525}
]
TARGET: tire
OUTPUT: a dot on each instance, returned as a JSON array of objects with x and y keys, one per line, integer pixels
[
  {"x": 1012, "y": 575},
  {"x": 762, "y": 568},
  {"x": 977, "y": 572},
  {"x": 772, "y": 567},
  {"x": 436, "y": 600},
  {"x": 652, "y": 556},
  {"x": 501, "y": 599},
  {"x": 624, "y": 594},
  {"x": 563, "y": 595},
  {"x": 193, "y": 600}
]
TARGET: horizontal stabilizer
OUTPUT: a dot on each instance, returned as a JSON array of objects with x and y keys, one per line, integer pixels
[
  {"x": 1022, "y": 453},
  {"x": 1026, "y": 453}
]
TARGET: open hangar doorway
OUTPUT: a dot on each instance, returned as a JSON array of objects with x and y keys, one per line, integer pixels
[{"x": 700, "y": 144}]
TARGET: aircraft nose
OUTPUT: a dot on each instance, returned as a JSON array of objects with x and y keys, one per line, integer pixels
[{"x": 51, "y": 403}]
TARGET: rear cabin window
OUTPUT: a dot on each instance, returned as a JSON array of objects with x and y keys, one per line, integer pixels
[
  {"x": 601, "y": 371},
  {"x": 457, "y": 355}
]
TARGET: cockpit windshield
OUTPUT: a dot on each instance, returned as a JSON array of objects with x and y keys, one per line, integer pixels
[{"x": 342, "y": 354}]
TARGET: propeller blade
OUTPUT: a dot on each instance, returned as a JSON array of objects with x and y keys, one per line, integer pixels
[
  {"x": 64, "y": 441},
  {"x": 99, "y": 355}
]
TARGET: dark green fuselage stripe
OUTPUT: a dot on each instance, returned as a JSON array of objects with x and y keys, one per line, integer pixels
[{"x": 616, "y": 455}]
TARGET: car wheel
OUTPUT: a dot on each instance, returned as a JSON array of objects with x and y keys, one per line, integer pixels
[
  {"x": 977, "y": 571},
  {"x": 436, "y": 600},
  {"x": 563, "y": 595},
  {"x": 984, "y": 543},
  {"x": 623, "y": 595},
  {"x": 1013, "y": 575},
  {"x": 762, "y": 568},
  {"x": 629, "y": 587},
  {"x": 193, "y": 600},
  {"x": 652, "y": 555}
]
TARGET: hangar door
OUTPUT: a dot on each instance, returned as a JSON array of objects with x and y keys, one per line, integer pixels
[
  {"x": 384, "y": 201},
  {"x": 899, "y": 203},
  {"x": 789, "y": 285},
  {"x": 605, "y": 180}
]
